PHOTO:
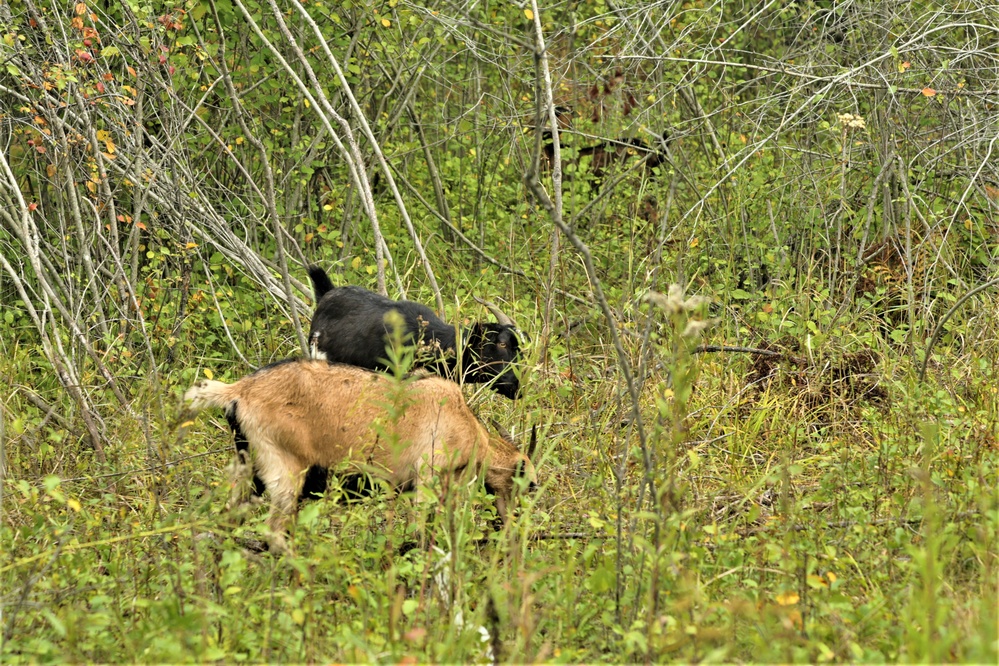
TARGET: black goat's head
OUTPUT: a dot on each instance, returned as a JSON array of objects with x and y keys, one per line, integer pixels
[{"x": 490, "y": 350}]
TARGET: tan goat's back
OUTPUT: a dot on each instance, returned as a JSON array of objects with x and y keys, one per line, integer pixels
[{"x": 338, "y": 415}]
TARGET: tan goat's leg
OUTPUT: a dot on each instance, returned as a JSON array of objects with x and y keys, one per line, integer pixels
[
  {"x": 241, "y": 480},
  {"x": 283, "y": 477}
]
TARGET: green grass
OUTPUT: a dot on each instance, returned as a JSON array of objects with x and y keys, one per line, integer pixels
[{"x": 796, "y": 520}]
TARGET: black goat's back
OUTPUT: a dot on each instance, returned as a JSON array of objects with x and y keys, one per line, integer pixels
[{"x": 351, "y": 327}]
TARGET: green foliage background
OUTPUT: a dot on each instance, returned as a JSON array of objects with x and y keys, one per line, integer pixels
[{"x": 169, "y": 169}]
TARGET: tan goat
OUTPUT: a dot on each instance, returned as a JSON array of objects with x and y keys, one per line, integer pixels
[{"x": 298, "y": 414}]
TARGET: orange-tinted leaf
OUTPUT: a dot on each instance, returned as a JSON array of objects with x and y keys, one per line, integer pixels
[
  {"x": 787, "y": 598},
  {"x": 131, "y": 71},
  {"x": 81, "y": 8},
  {"x": 793, "y": 620},
  {"x": 415, "y": 635},
  {"x": 929, "y": 92}
]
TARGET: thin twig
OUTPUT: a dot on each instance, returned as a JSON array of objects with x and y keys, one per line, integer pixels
[
  {"x": 745, "y": 350},
  {"x": 841, "y": 524},
  {"x": 143, "y": 470},
  {"x": 943, "y": 320}
]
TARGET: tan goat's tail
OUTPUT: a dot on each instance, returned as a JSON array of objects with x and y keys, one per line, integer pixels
[{"x": 209, "y": 393}]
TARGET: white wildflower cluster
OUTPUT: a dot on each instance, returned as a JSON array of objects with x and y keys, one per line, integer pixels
[
  {"x": 674, "y": 303},
  {"x": 850, "y": 120}
]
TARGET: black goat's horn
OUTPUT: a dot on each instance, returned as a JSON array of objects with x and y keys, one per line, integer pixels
[
  {"x": 534, "y": 442},
  {"x": 501, "y": 318}
]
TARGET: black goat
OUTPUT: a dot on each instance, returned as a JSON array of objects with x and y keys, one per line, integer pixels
[{"x": 349, "y": 327}]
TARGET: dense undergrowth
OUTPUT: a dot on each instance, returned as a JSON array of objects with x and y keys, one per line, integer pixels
[
  {"x": 819, "y": 508},
  {"x": 761, "y": 476}
]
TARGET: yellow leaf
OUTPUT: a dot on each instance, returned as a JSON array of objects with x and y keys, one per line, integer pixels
[
  {"x": 355, "y": 263},
  {"x": 787, "y": 598},
  {"x": 73, "y": 504},
  {"x": 386, "y": 23},
  {"x": 529, "y": 14},
  {"x": 817, "y": 582},
  {"x": 208, "y": 373},
  {"x": 831, "y": 576},
  {"x": 191, "y": 246}
]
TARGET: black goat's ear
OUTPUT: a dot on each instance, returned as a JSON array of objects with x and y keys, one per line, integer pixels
[{"x": 532, "y": 447}]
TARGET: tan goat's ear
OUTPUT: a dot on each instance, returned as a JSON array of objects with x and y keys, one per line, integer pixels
[
  {"x": 503, "y": 432},
  {"x": 534, "y": 442}
]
